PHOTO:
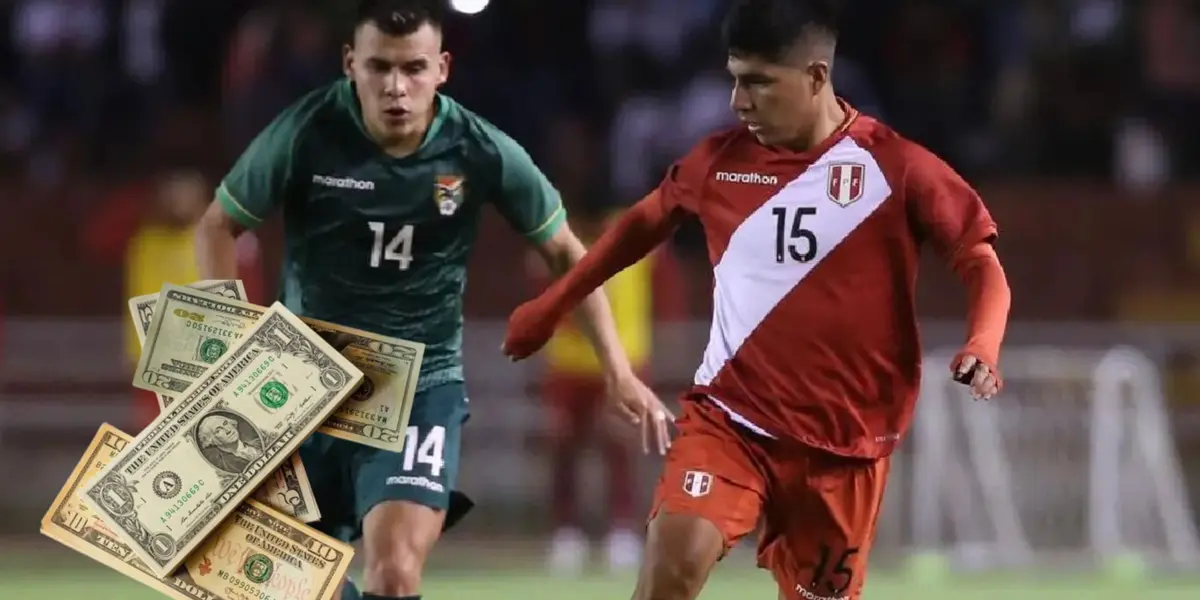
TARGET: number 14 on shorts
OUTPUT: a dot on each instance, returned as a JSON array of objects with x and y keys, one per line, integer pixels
[{"x": 428, "y": 450}]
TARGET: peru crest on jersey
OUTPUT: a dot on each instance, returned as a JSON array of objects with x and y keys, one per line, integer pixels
[{"x": 846, "y": 182}]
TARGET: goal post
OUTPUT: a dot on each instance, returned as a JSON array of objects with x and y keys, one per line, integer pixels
[{"x": 1073, "y": 464}]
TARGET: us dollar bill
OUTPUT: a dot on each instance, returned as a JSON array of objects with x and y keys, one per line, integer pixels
[
  {"x": 141, "y": 308},
  {"x": 189, "y": 332},
  {"x": 288, "y": 488},
  {"x": 377, "y": 412},
  {"x": 304, "y": 564},
  {"x": 289, "y": 491},
  {"x": 220, "y": 440},
  {"x": 196, "y": 324}
]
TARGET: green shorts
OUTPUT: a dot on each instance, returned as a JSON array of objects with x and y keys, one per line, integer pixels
[{"x": 349, "y": 479}]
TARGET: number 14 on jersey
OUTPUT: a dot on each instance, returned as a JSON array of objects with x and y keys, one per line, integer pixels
[{"x": 397, "y": 248}]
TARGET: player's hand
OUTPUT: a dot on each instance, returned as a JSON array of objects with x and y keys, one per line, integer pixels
[
  {"x": 637, "y": 403},
  {"x": 529, "y": 328},
  {"x": 983, "y": 379}
]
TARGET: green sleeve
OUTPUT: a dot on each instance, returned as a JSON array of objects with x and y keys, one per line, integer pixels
[
  {"x": 259, "y": 181},
  {"x": 526, "y": 200}
]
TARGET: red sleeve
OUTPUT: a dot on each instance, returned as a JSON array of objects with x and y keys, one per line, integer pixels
[
  {"x": 637, "y": 232},
  {"x": 680, "y": 187},
  {"x": 988, "y": 302},
  {"x": 947, "y": 210},
  {"x": 631, "y": 238},
  {"x": 949, "y": 213}
]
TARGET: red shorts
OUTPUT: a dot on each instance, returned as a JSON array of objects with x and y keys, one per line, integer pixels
[{"x": 818, "y": 510}]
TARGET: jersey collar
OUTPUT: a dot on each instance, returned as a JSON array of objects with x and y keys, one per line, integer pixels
[
  {"x": 440, "y": 107},
  {"x": 824, "y": 145}
]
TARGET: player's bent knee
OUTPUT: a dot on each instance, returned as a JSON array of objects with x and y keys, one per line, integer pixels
[
  {"x": 681, "y": 551},
  {"x": 396, "y": 575},
  {"x": 397, "y": 537}
]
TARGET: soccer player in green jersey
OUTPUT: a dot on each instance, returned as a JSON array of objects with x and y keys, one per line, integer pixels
[{"x": 382, "y": 181}]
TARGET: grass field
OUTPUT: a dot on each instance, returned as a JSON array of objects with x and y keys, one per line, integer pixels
[
  {"x": 46, "y": 583},
  {"x": 40, "y": 570}
]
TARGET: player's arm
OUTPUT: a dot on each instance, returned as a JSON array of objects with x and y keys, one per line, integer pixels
[
  {"x": 632, "y": 237},
  {"x": 250, "y": 192},
  {"x": 955, "y": 220},
  {"x": 533, "y": 207}
]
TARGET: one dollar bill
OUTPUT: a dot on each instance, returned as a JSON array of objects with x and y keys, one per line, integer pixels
[
  {"x": 221, "y": 438},
  {"x": 195, "y": 327},
  {"x": 141, "y": 308},
  {"x": 288, "y": 489},
  {"x": 257, "y": 553}
]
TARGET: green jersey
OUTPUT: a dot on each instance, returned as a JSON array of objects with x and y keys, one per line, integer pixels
[{"x": 381, "y": 243}]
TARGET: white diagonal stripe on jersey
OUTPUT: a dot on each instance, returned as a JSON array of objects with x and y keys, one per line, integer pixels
[{"x": 749, "y": 283}]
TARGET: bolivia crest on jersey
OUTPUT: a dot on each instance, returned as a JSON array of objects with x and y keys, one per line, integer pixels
[
  {"x": 448, "y": 193},
  {"x": 846, "y": 182}
]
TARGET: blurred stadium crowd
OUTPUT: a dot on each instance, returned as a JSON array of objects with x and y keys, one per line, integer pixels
[{"x": 607, "y": 91}]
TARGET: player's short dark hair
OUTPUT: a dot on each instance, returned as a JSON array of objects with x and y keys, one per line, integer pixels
[
  {"x": 400, "y": 17},
  {"x": 772, "y": 29}
]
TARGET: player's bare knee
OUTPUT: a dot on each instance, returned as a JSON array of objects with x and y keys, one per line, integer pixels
[
  {"x": 681, "y": 551},
  {"x": 397, "y": 573},
  {"x": 398, "y": 537}
]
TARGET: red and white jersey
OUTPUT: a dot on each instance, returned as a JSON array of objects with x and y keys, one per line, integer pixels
[{"x": 814, "y": 333}]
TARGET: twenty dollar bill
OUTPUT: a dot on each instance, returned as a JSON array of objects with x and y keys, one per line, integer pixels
[
  {"x": 141, "y": 308},
  {"x": 288, "y": 489},
  {"x": 196, "y": 327},
  {"x": 220, "y": 440},
  {"x": 230, "y": 565},
  {"x": 377, "y": 413}
]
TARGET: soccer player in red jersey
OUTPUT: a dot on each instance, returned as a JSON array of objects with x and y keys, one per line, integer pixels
[{"x": 814, "y": 217}]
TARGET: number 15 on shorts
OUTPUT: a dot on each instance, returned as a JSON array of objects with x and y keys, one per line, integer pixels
[{"x": 833, "y": 573}]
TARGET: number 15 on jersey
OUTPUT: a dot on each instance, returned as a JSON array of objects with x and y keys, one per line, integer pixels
[{"x": 397, "y": 248}]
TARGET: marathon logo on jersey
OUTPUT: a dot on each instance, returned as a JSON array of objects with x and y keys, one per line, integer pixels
[
  {"x": 421, "y": 482},
  {"x": 697, "y": 483},
  {"x": 754, "y": 178},
  {"x": 846, "y": 182},
  {"x": 448, "y": 193},
  {"x": 343, "y": 183}
]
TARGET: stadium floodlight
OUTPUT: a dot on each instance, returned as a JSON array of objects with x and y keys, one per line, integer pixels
[{"x": 468, "y": 7}]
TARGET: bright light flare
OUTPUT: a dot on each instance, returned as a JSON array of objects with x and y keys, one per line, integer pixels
[{"x": 469, "y": 7}]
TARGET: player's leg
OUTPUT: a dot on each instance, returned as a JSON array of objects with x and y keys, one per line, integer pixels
[
  {"x": 327, "y": 463},
  {"x": 397, "y": 538},
  {"x": 709, "y": 496},
  {"x": 821, "y": 523},
  {"x": 403, "y": 498},
  {"x": 571, "y": 405}
]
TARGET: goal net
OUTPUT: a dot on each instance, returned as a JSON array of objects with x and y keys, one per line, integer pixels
[{"x": 1073, "y": 464}]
